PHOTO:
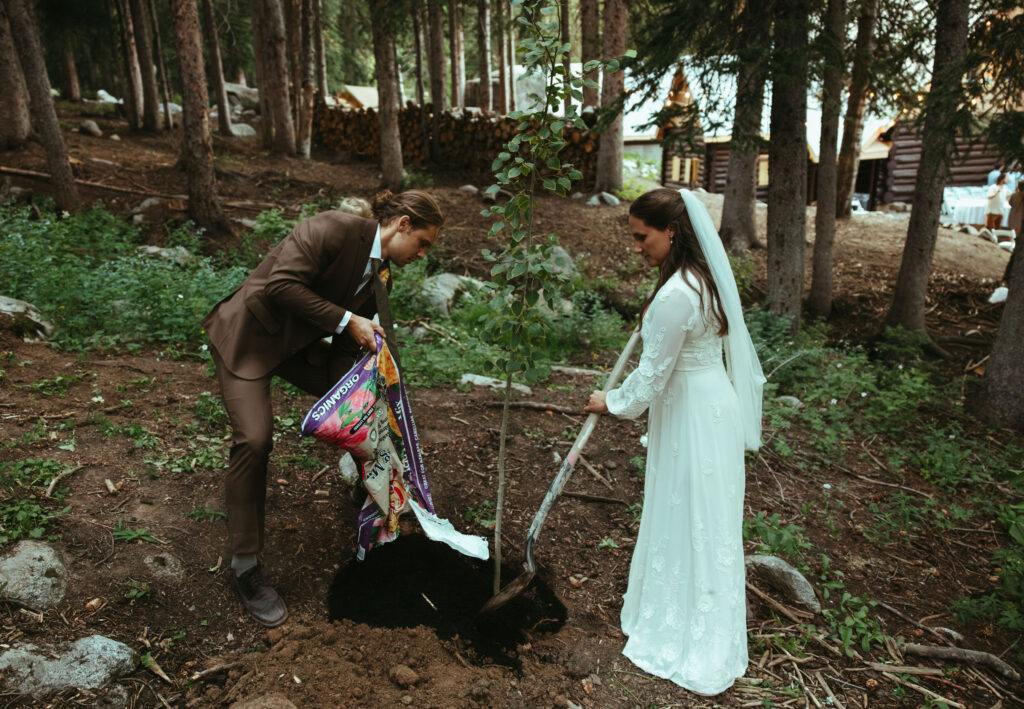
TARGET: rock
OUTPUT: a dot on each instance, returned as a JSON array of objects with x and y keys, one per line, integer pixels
[
  {"x": 116, "y": 697},
  {"x": 348, "y": 469},
  {"x": 356, "y": 205},
  {"x": 580, "y": 663},
  {"x": 441, "y": 290},
  {"x": 577, "y": 195},
  {"x": 25, "y": 320},
  {"x": 103, "y": 96},
  {"x": 404, "y": 676},
  {"x": 999, "y": 295},
  {"x": 267, "y": 701},
  {"x": 899, "y": 207},
  {"x": 177, "y": 254},
  {"x": 481, "y": 689},
  {"x": 88, "y": 663},
  {"x": 610, "y": 199},
  {"x": 790, "y": 401},
  {"x": 90, "y": 128},
  {"x": 481, "y": 381},
  {"x": 561, "y": 261},
  {"x": 472, "y": 189},
  {"x": 115, "y": 136},
  {"x": 784, "y": 578},
  {"x": 242, "y": 130},
  {"x": 247, "y": 96},
  {"x": 594, "y": 201},
  {"x": 165, "y": 567},
  {"x": 148, "y": 203},
  {"x": 34, "y": 574},
  {"x": 581, "y": 371},
  {"x": 247, "y": 223}
]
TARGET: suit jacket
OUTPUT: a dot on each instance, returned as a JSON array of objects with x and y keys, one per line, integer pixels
[{"x": 296, "y": 296}]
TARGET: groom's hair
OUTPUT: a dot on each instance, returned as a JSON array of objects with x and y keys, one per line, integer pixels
[{"x": 662, "y": 208}]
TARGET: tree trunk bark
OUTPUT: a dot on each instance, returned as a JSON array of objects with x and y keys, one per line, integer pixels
[
  {"x": 387, "y": 95},
  {"x": 820, "y": 299},
  {"x": 501, "y": 105},
  {"x": 133, "y": 95},
  {"x": 938, "y": 135},
  {"x": 564, "y": 21},
  {"x": 72, "y": 89},
  {"x": 590, "y": 46},
  {"x": 417, "y": 38},
  {"x": 399, "y": 85},
  {"x": 307, "y": 86},
  {"x": 787, "y": 160},
  {"x": 25, "y": 34},
  {"x": 321, "y": 56},
  {"x": 609, "y": 151},
  {"x": 293, "y": 47},
  {"x": 165, "y": 90},
  {"x": 435, "y": 51},
  {"x": 483, "y": 54},
  {"x": 266, "y": 120},
  {"x": 510, "y": 39},
  {"x": 999, "y": 402},
  {"x": 739, "y": 205},
  {"x": 275, "y": 76},
  {"x": 147, "y": 69},
  {"x": 217, "y": 69},
  {"x": 197, "y": 145},
  {"x": 853, "y": 124},
  {"x": 15, "y": 124},
  {"x": 458, "y": 66}
]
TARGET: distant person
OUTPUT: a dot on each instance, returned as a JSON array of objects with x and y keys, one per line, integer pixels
[
  {"x": 996, "y": 202},
  {"x": 994, "y": 175},
  {"x": 684, "y": 609},
  {"x": 318, "y": 281}
]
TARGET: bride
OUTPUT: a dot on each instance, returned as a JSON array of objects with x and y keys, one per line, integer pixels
[{"x": 684, "y": 610}]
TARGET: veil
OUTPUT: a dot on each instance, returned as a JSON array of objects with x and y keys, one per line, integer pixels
[{"x": 740, "y": 357}]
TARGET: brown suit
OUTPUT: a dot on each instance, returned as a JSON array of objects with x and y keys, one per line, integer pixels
[{"x": 274, "y": 324}]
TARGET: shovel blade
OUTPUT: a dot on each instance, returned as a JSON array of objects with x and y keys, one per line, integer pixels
[{"x": 513, "y": 589}]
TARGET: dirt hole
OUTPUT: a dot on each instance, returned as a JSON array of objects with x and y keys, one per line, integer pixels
[{"x": 392, "y": 586}]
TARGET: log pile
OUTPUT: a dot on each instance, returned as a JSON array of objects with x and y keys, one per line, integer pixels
[{"x": 466, "y": 140}]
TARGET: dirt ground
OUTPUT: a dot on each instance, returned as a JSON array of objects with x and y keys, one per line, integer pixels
[{"x": 193, "y": 623}]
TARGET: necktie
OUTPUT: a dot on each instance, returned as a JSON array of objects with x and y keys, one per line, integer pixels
[{"x": 380, "y": 294}]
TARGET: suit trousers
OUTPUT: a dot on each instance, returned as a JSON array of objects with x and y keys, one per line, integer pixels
[{"x": 247, "y": 402}]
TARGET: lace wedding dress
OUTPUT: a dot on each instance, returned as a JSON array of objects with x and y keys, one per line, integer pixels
[{"x": 684, "y": 610}]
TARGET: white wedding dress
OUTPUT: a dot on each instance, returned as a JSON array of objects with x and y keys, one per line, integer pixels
[{"x": 684, "y": 610}]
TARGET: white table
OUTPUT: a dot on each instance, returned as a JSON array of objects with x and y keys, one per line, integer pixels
[{"x": 972, "y": 211}]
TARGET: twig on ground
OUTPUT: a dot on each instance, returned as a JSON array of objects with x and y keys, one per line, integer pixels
[
  {"x": 905, "y": 669},
  {"x": 915, "y": 623},
  {"x": 593, "y": 471},
  {"x": 922, "y": 690},
  {"x": 537, "y": 405},
  {"x": 792, "y": 614},
  {"x": 210, "y": 671},
  {"x": 594, "y": 498},
  {"x": 66, "y": 473},
  {"x": 965, "y": 655}
]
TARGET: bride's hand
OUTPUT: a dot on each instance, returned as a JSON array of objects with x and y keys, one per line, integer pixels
[{"x": 597, "y": 404}]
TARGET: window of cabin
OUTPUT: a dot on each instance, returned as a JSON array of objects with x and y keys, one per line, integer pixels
[{"x": 762, "y": 171}]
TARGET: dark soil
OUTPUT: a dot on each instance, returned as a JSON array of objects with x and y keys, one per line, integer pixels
[{"x": 194, "y": 622}]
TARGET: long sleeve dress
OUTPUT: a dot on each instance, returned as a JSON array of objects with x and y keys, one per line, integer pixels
[{"x": 684, "y": 611}]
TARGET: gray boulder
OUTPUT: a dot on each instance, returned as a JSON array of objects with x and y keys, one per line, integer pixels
[
  {"x": 469, "y": 188},
  {"x": 90, "y": 128},
  {"x": 441, "y": 290},
  {"x": 88, "y": 663},
  {"x": 177, "y": 254},
  {"x": 247, "y": 96},
  {"x": 25, "y": 319},
  {"x": 785, "y": 579},
  {"x": 243, "y": 130},
  {"x": 482, "y": 381},
  {"x": 165, "y": 567},
  {"x": 609, "y": 199},
  {"x": 790, "y": 401},
  {"x": 33, "y": 573}
]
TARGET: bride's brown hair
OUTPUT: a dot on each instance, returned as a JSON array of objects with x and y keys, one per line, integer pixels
[{"x": 663, "y": 208}]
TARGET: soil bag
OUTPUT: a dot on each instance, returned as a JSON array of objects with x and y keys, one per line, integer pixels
[{"x": 367, "y": 413}]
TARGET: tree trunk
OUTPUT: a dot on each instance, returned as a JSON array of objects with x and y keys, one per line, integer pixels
[
  {"x": 738, "y": 228},
  {"x": 72, "y": 89},
  {"x": 435, "y": 53},
  {"x": 217, "y": 69},
  {"x": 820, "y": 299},
  {"x": 510, "y": 52},
  {"x": 15, "y": 125},
  {"x": 387, "y": 95},
  {"x": 307, "y": 86},
  {"x": 293, "y": 48},
  {"x": 853, "y": 124},
  {"x": 563, "y": 23},
  {"x": 275, "y": 76},
  {"x": 133, "y": 94},
  {"x": 266, "y": 120},
  {"x": 483, "y": 54},
  {"x": 321, "y": 56},
  {"x": 937, "y": 137},
  {"x": 999, "y": 402},
  {"x": 609, "y": 151},
  {"x": 197, "y": 145},
  {"x": 30, "y": 55},
  {"x": 501, "y": 104},
  {"x": 787, "y": 160},
  {"x": 147, "y": 69},
  {"x": 417, "y": 38},
  {"x": 399, "y": 85},
  {"x": 165, "y": 91},
  {"x": 590, "y": 46},
  {"x": 458, "y": 61}
]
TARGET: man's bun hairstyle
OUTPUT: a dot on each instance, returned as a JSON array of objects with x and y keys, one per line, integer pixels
[{"x": 421, "y": 208}]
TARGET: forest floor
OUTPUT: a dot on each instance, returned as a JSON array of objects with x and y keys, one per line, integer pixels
[{"x": 167, "y": 479}]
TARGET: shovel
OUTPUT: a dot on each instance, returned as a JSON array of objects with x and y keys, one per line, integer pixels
[{"x": 519, "y": 584}]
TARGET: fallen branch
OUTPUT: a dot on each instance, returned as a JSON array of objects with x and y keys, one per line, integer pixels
[
  {"x": 905, "y": 669},
  {"x": 915, "y": 623},
  {"x": 922, "y": 690},
  {"x": 959, "y": 653},
  {"x": 66, "y": 473},
  {"x": 98, "y": 185},
  {"x": 593, "y": 471},
  {"x": 210, "y": 671},
  {"x": 536, "y": 405},
  {"x": 594, "y": 498},
  {"x": 793, "y": 615}
]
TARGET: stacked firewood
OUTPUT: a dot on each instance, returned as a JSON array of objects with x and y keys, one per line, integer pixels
[{"x": 465, "y": 140}]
